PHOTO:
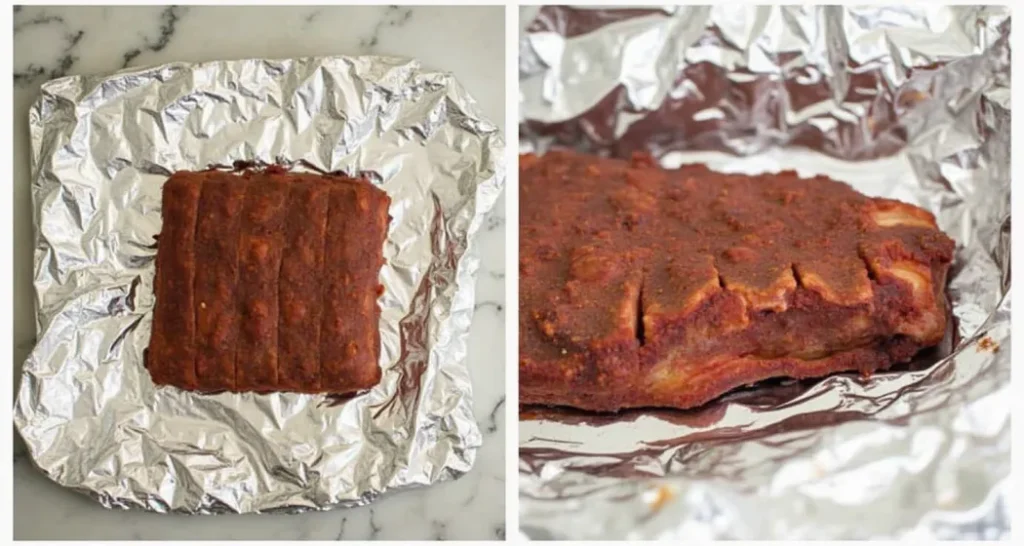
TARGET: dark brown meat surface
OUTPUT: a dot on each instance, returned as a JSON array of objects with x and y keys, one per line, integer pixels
[
  {"x": 348, "y": 350},
  {"x": 173, "y": 338},
  {"x": 217, "y": 235},
  {"x": 267, "y": 281},
  {"x": 641, "y": 286}
]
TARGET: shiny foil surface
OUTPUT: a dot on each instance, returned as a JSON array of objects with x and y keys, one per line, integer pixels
[
  {"x": 908, "y": 102},
  {"x": 102, "y": 148}
]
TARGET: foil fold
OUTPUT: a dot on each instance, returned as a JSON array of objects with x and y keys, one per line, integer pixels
[
  {"x": 101, "y": 148},
  {"x": 910, "y": 103}
]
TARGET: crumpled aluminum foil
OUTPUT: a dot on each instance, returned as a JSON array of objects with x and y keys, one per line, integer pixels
[
  {"x": 102, "y": 148},
  {"x": 909, "y": 102}
]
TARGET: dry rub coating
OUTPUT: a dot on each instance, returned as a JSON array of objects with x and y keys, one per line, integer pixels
[
  {"x": 173, "y": 337},
  {"x": 217, "y": 234},
  {"x": 641, "y": 286},
  {"x": 267, "y": 281}
]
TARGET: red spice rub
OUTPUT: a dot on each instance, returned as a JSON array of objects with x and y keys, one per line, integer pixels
[
  {"x": 641, "y": 286},
  {"x": 348, "y": 350},
  {"x": 172, "y": 346},
  {"x": 302, "y": 271},
  {"x": 253, "y": 268},
  {"x": 217, "y": 235},
  {"x": 259, "y": 262}
]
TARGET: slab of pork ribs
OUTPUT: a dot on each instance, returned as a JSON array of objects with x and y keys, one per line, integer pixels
[
  {"x": 268, "y": 281},
  {"x": 642, "y": 286}
]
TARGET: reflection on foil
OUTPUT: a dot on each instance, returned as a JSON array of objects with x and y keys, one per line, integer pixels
[
  {"x": 101, "y": 149},
  {"x": 910, "y": 103}
]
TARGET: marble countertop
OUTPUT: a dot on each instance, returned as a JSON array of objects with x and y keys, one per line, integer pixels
[{"x": 51, "y": 42}]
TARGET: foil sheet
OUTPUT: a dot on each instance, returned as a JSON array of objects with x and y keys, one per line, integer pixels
[
  {"x": 908, "y": 102},
  {"x": 102, "y": 148}
]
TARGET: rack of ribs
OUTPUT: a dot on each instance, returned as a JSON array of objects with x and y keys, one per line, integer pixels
[
  {"x": 648, "y": 287},
  {"x": 268, "y": 281}
]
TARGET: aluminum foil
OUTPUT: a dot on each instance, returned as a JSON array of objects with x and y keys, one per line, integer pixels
[
  {"x": 102, "y": 148},
  {"x": 908, "y": 102}
]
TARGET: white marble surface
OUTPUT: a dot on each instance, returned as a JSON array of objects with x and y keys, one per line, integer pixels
[{"x": 51, "y": 42}]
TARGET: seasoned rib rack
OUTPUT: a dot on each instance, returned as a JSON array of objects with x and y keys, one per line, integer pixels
[
  {"x": 641, "y": 286},
  {"x": 267, "y": 281}
]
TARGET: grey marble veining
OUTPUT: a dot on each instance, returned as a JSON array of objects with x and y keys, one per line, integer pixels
[{"x": 51, "y": 42}]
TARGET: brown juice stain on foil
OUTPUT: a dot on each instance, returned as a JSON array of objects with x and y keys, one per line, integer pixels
[
  {"x": 988, "y": 344},
  {"x": 661, "y": 496}
]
